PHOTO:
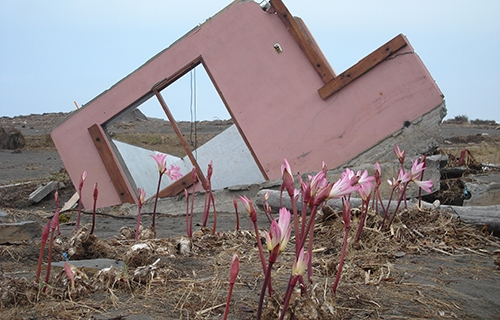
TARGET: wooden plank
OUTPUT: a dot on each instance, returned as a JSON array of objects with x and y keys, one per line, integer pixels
[
  {"x": 177, "y": 187},
  {"x": 362, "y": 67},
  {"x": 173, "y": 123},
  {"x": 314, "y": 57},
  {"x": 112, "y": 166}
]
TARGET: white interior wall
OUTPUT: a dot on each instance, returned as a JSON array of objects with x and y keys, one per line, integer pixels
[{"x": 233, "y": 163}]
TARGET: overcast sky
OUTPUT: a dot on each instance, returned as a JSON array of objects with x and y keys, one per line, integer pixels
[{"x": 55, "y": 52}]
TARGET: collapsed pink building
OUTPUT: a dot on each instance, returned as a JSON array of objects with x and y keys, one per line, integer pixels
[{"x": 282, "y": 95}]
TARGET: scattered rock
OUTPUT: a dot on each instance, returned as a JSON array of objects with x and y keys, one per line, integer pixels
[
  {"x": 139, "y": 254},
  {"x": 4, "y": 217},
  {"x": 482, "y": 190},
  {"x": 44, "y": 190},
  {"x": 19, "y": 231},
  {"x": 92, "y": 264},
  {"x": 11, "y": 138}
]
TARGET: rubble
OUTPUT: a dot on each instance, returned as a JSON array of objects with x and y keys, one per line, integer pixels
[
  {"x": 19, "y": 231},
  {"x": 44, "y": 190},
  {"x": 482, "y": 189},
  {"x": 312, "y": 113}
]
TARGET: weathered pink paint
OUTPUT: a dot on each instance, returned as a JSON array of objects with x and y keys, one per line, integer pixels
[{"x": 272, "y": 98}]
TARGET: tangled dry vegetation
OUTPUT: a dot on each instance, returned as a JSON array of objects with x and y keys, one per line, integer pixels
[{"x": 161, "y": 281}]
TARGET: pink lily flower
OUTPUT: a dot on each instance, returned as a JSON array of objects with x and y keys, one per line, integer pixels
[
  {"x": 378, "y": 173},
  {"x": 174, "y": 172},
  {"x": 425, "y": 185},
  {"x": 343, "y": 186},
  {"x": 233, "y": 273},
  {"x": 287, "y": 177},
  {"x": 403, "y": 176},
  {"x": 285, "y": 228},
  {"x": 365, "y": 190},
  {"x": 82, "y": 180},
  {"x": 300, "y": 263},
  {"x": 210, "y": 170},
  {"x": 400, "y": 154},
  {"x": 273, "y": 237},
  {"x": 416, "y": 169},
  {"x": 161, "y": 161},
  {"x": 142, "y": 196},
  {"x": 315, "y": 184},
  {"x": 247, "y": 203},
  {"x": 70, "y": 275},
  {"x": 80, "y": 187},
  {"x": 96, "y": 195},
  {"x": 298, "y": 268},
  {"x": 364, "y": 178},
  {"x": 235, "y": 268}
]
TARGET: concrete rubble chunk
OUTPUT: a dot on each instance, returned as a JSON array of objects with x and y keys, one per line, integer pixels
[
  {"x": 393, "y": 99},
  {"x": 477, "y": 215},
  {"x": 43, "y": 190},
  {"x": 19, "y": 231},
  {"x": 71, "y": 203},
  {"x": 390, "y": 169},
  {"x": 4, "y": 217},
  {"x": 93, "y": 264},
  {"x": 482, "y": 189}
]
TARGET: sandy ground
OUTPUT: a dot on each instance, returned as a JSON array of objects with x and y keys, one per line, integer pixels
[{"x": 447, "y": 273}]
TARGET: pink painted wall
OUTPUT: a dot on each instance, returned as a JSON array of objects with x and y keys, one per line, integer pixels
[{"x": 273, "y": 98}]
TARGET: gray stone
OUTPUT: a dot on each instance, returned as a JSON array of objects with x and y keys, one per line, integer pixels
[
  {"x": 390, "y": 170},
  {"x": 484, "y": 189},
  {"x": 4, "y": 217},
  {"x": 93, "y": 264},
  {"x": 42, "y": 191},
  {"x": 480, "y": 216},
  {"x": 421, "y": 136},
  {"x": 177, "y": 205},
  {"x": 19, "y": 231}
]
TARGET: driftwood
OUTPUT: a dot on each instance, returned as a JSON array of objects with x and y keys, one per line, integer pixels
[{"x": 476, "y": 215}]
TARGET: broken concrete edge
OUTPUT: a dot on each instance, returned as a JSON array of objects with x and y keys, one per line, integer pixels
[
  {"x": 481, "y": 189},
  {"x": 44, "y": 190},
  {"x": 416, "y": 136},
  {"x": 224, "y": 197},
  {"x": 175, "y": 206},
  {"x": 12, "y": 185},
  {"x": 19, "y": 232},
  {"x": 71, "y": 203},
  {"x": 95, "y": 264},
  {"x": 479, "y": 215},
  {"x": 396, "y": 94}
]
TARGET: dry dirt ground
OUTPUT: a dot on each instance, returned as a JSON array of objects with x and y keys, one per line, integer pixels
[{"x": 427, "y": 266}]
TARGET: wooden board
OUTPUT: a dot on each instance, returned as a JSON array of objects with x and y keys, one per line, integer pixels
[
  {"x": 109, "y": 161},
  {"x": 316, "y": 59},
  {"x": 363, "y": 66}
]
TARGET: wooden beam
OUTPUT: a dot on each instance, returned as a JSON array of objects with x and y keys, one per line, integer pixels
[
  {"x": 363, "y": 66},
  {"x": 112, "y": 166},
  {"x": 184, "y": 144},
  {"x": 314, "y": 57},
  {"x": 177, "y": 187}
]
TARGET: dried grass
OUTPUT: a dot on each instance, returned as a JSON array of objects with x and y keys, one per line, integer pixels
[{"x": 194, "y": 286}]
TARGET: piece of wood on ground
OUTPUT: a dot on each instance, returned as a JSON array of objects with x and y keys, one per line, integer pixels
[{"x": 71, "y": 203}]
